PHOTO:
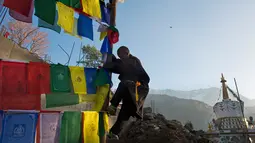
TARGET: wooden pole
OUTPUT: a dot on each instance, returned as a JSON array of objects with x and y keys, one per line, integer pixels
[
  {"x": 108, "y": 57},
  {"x": 112, "y": 7}
]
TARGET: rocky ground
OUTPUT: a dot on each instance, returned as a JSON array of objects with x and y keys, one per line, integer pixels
[{"x": 156, "y": 129}]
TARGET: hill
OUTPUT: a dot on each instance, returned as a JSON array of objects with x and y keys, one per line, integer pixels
[
  {"x": 183, "y": 110},
  {"x": 208, "y": 95}
]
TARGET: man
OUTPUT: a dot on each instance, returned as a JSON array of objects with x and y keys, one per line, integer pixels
[{"x": 132, "y": 90}]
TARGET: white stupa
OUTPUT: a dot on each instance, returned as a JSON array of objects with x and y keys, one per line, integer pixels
[{"x": 230, "y": 118}]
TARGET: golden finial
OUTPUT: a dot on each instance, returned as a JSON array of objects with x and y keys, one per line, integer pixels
[{"x": 224, "y": 87}]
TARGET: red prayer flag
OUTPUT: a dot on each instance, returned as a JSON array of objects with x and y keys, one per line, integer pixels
[
  {"x": 14, "y": 78},
  {"x": 38, "y": 78},
  {"x": 1, "y": 88},
  {"x": 18, "y": 102},
  {"x": 23, "y": 7},
  {"x": 21, "y": 17}
]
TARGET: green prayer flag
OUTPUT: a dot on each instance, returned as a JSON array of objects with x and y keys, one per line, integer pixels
[
  {"x": 61, "y": 99},
  {"x": 71, "y": 127},
  {"x": 72, "y": 3},
  {"x": 46, "y": 10},
  {"x": 101, "y": 124},
  {"x": 54, "y": 27},
  {"x": 102, "y": 78},
  {"x": 60, "y": 78}
]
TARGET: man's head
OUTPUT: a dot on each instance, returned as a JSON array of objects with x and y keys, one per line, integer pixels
[{"x": 123, "y": 52}]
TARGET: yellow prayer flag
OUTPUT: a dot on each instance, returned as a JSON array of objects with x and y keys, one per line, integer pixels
[
  {"x": 102, "y": 35},
  {"x": 101, "y": 94},
  {"x": 75, "y": 30},
  {"x": 92, "y": 8},
  {"x": 106, "y": 123},
  {"x": 78, "y": 79},
  {"x": 90, "y": 127},
  {"x": 87, "y": 98},
  {"x": 65, "y": 17}
]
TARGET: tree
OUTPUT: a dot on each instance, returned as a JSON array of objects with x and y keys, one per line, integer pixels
[
  {"x": 92, "y": 58},
  {"x": 29, "y": 37}
]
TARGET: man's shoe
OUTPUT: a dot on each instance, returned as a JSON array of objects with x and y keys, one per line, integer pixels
[
  {"x": 113, "y": 136},
  {"x": 111, "y": 110}
]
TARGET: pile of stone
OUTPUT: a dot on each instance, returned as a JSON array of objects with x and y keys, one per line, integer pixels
[{"x": 156, "y": 129}]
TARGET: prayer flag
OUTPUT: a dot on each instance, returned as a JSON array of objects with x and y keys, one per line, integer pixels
[
  {"x": 19, "y": 128},
  {"x": 106, "y": 122},
  {"x": 1, "y": 121},
  {"x": 90, "y": 127},
  {"x": 60, "y": 78},
  {"x": 18, "y": 102},
  {"x": 85, "y": 27},
  {"x": 106, "y": 46},
  {"x": 72, "y": 3},
  {"x": 78, "y": 79},
  {"x": 23, "y": 18},
  {"x": 113, "y": 35},
  {"x": 61, "y": 99},
  {"x": 90, "y": 75},
  {"x": 87, "y": 98},
  {"x": 102, "y": 77},
  {"x": 103, "y": 123},
  {"x": 38, "y": 78},
  {"x": 102, "y": 35},
  {"x": 1, "y": 81},
  {"x": 55, "y": 27},
  {"x": 49, "y": 127},
  {"x": 70, "y": 131},
  {"x": 105, "y": 13},
  {"x": 14, "y": 91},
  {"x": 23, "y": 7},
  {"x": 45, "y": 10},
  {"x": 65, "y": 17},
  {"x": 92, "y": 8},
  {"x": 75, "y": 30},
  {"x": 14, "y": 77},
  {"x": 102, "y": 28},
  {"x": 102, "y": 93}
]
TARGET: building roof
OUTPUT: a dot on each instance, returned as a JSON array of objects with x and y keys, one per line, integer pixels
[{"x": 10, "y": 50}]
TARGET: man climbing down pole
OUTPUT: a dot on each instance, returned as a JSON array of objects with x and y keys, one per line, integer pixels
[{"x": 132, "y": 89}]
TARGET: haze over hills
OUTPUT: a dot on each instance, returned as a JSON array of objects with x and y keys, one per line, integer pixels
[
  {"x": 182, "y": 110},
  {"x": 199, "y": 113},
  {"x": 208, "y": 95}
]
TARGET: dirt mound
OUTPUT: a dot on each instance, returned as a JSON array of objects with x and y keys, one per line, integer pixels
[{"x": 156, "y": 129}]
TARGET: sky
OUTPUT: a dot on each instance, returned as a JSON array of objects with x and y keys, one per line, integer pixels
[{"x": 207, "y": 38}]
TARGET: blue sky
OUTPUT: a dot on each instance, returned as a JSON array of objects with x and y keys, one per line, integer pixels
[{"x": 208, "y": 38}]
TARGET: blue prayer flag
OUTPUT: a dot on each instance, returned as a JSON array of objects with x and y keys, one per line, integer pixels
[
  {"x": 1, "y": 121},
  {"x": 85, "y": 27},
  {"x": 19, "y": 128},
  {"x": 105, "y": 13},
  {"x": 106, "y": 46},
  {"x": 90, "y": 74}
]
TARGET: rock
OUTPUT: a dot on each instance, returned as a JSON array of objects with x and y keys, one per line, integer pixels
[
  {"x": 155, "y": 128},
  {"x": 147, "y": 110}
]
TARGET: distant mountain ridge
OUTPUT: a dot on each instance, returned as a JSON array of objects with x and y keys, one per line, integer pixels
[
  {"x": 199, "y": 113},
  {"x": 209, "y": 96}
]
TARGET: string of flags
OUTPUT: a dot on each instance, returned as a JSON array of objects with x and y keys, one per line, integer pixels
[
  {"x": 18, "y": 126},
  {"x": 21, "y": 84},
  {"x": 20, "y": 93},
  {"x": 62, "y": 85},
  {"x": 57, "y": 14}
]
